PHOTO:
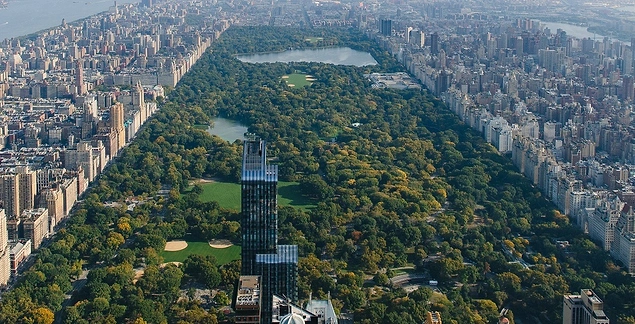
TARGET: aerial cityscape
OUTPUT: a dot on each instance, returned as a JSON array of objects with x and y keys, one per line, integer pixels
[{"x": 317, "y": 162}]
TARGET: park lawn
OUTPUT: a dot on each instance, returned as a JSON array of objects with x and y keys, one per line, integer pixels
[
  {"x": 297, "y": 80},
  {"x": 289, "y": 195},
  {"x": 227, "y": 195},
  {"x": 314, "y": 40},
  {"x": 223, "y": 256}
]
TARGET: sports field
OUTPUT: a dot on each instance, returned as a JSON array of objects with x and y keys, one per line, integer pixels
[
  {"x": 298, "y": 79},
  {"x": 228, "y": 195},
  {"x": 222, "y": 256},
  {"x": 313, "y": 40}
]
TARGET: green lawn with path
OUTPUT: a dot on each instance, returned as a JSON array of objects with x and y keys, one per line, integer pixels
[
  {"x": 223, "y": 256},
  {"x": 227, "y": 195}
]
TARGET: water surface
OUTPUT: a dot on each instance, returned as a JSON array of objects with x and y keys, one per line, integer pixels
[
  {"x": 331, "y": 55},
  {"x": 572, "y": 30},
  {"x": 227, "y": 129},
  {"x": 23, "y": 17}
]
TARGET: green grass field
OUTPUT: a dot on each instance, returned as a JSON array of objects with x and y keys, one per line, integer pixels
[
  {"x": 313, "y": 40},
  {"x": 201, "y": 126},
  {"x": 297, "y": 80},
  {"x": 222, "y": 256},
  {"x": 289, "y": 195},
  {"x": 225, "y": 193},
  {"x": 228, "y": 195}
]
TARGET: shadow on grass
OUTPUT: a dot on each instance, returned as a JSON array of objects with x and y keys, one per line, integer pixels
[{"x": 291, "y": 195}]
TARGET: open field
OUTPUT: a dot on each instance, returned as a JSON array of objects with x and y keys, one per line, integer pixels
[
  {"x": 298, "y": 80},
  {"x": 289, "y": 195},
  {"x": 313, "y": 40},
  {"x": 222, "y": 256},
  {"x": 228, "y": 195}
]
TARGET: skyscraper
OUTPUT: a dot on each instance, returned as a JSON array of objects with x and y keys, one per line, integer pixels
[
  {"x": 275, "y": 265},
  {"x": 385, "y": 27},
  {"x": 434, "y": 43},
  {"x": 628, "y": 88},
  {"x": 117, "y": 128},
  {"x": 79, "y": 78},
  {"x": 259, "y": 204},
  {"x": 279, "y": 275},
  {"x": 10, "y": 194}
]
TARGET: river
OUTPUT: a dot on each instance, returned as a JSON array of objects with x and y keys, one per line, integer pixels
[
  {"x": 23, "y": 17},
  {"x": 572, "y": 30},
  {"x": 331, "y": 55}
]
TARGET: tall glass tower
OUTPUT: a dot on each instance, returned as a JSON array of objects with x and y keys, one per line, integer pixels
[
  {"x": 275, "y": 265},
  {"x": 259, "y": 204}
]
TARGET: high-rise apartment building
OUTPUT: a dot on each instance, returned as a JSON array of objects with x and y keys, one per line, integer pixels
[
  {"x": 117, "y": 128},
  {"x": 385, "y": 27},
  {"x": 279, "y": 275},
  {"x": 259, "y": 205},
  {"x": 79, "y": 78},
  {"x": 10, "y": 194},
  {"x": 434, "y": 43},
  {"x": 27, "y": 186},
  {"x": 275, "y": 265},
  {"x": 586, "y": 308},
  {"x": 628, "y": 88},
  {"x": 5, "y": 268},
  {"x": 36, "y": 225},
  {"x": 53, "y": 200}
]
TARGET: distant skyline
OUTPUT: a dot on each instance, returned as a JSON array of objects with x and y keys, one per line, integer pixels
[{"x": 24, "y": 17}]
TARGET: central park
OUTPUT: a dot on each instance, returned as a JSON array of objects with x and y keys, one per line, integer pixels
[{"x": 373, "y": 181}]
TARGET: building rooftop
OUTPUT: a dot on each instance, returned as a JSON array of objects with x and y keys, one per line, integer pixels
[{"x": 248, "y": 291}]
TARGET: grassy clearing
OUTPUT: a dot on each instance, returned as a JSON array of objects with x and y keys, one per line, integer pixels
[
  {"x": 289, "y": 195},
  {"x": 297, "y": 80},
  {"x": 222, "y": 256},
  {"x": 228, "y": 195},
  {"x": 314, "y": 40}
]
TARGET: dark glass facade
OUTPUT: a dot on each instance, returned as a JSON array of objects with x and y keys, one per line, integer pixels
[
  {"x": 259, "y": 205},
  {"x": 278, "y": 275},
  {"x": 277, "y": 265}
]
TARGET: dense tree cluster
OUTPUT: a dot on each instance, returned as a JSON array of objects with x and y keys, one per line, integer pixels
[{"x": 401, "y": 183}]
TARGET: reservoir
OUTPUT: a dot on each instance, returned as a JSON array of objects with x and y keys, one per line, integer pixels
[
  {"x": 23, "y": 17},
  {"x": 226, "y": 129},
  {"x": 335, "y": 55}
]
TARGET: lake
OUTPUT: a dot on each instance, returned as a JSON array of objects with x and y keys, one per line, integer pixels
[
  {"x": 23, "y": 17},
  {"x": 227, "y": 129},
  {"x": 334, "y": 55}
]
